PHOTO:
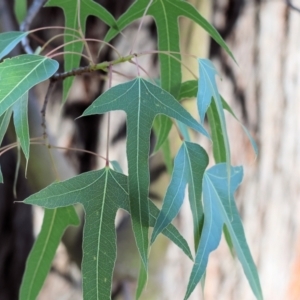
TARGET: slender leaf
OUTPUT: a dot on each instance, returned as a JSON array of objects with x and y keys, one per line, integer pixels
[
  {"x": 189, "y": 89},
  {"x": 9, "y": 40},
  {"x": 20, "y": 109},
  {"x": 142, "y": 280},
  {"x": 142, "y": 101},
  {"x": 218, "y": 212},
  {"x": 219, "y": 148},
  {"x": 19, "y": 74},
  {"x": 189, "y": 166},
  {"x": 4, "y": 122},
  {"x": 40, "y": 258},
  {"x": 252, "y": 141},
  {"x": 162, "y": 126},
  {"x": 1, "y": 176},
  {"x": 76, "y": 14},
  {"x": 101, "y": 193},
  {"x": 20, "y": 9}
]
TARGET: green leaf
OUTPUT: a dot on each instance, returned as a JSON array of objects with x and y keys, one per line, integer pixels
[
  {"x": 188, "y": 89},
  {"x": 142, "y": 101},
  {"x": 116, "y": 166},
  {"x": 170, "y": 231},
  {"x": 218, "y": 212},
  {"x": 101, "y": 193},
  {"x": 189, "y": 166},
  {"x": 4, "y": 122},
  {"x": 19, "y": 74},
  {"x": 162, "y": 126},
  {"x": 142, "y": 280},
  {"x": 252, "y": 141},
  {"x": 75, "y": 11},
  {"x": 168, "y": 159},
  {"x": 20, "y": 109},
  {"x": 1, "y": 176},
  {"x": 166, "y": 14},
  {"x": 9, "y": 40},
  {"x": 20, "y": 9},
  {"x": 219, "y": 147},
  {"x": 40, "y": 258}
]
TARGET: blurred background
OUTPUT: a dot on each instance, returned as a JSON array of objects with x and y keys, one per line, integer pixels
[{"x": 263, "y": 89}]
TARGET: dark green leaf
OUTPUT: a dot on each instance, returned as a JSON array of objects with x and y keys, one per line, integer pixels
[
  {"x": 101, "y": 193},
  {"x": 40, "y": 258},
  {"x": 19, "y": 74},
  {"x": 142, "y": 101},
  {"x": 166, "y": 14},
  {"x": 75, "y": 11},
  {"x": 188, "y": 89}
]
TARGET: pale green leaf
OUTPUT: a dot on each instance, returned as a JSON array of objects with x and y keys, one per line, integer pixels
[
  {"x": 116, "y": 166},
  {"x": 40, "y": 258},
  {"x": 20, "y": 8},
  {"x": 142, "y": 101},
  {"x": 189, "y": 89},
  {"x": 19, "y": 74},
  {"x": 189, "y": 166},
  {"x": 101, "y": 193},
  {"x": 217, "y": 212},
  {"x": 9, "y": 40},
  {"x": 20, "y": 110},
  {"x": 76, "y": 14}
]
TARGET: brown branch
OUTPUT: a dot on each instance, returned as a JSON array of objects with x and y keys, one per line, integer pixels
[{"x": 43, "y": 111}]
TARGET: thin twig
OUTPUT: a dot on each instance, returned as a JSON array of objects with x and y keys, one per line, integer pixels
[
  {"x": 291, "y": 5},
  {"x": 43, "y": 111},
  {"x": 25, "y": 25},
  {"x": 108, "y": 117},
  {"x": 140, "y": 26},
  {"x": 88, "y": 69}
]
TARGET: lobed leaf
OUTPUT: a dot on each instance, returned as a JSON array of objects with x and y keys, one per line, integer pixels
[
  {"x": 166, "y": 14},
  {"x": 19, "y": 74},
  {"x": 142, "y": 101},
  {"x": 76, "y": 14},
  {"x": 217, "y": 212},
  {"x": 101, "y": 193},
  {"x": 41, "y": 255}
]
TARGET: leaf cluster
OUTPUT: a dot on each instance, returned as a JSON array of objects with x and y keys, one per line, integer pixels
[{"x": 148, "y": 106}]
